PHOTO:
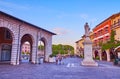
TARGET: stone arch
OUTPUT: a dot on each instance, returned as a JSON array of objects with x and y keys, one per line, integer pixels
[
  {"x": 6, "y": 42},
  {"x": 27, "y": 38},
  {"x": 111, "y": 53},
  {"x": 104, "y": 55},
  {"x": 11, "y": 32},
  {"x": 117, "y": 52},
  {"x": 43, "y": 39},
  {"x": 96, "y": 54},
  {"x": 116, "y": 48}
]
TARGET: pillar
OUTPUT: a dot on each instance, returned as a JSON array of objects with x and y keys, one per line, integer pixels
[
  {"x": 108, "y": 55},
  {"x": 88, "y": 56},
  {"x": 100, "y": 54},
  {"x": 48, "y": 49},
  {"x": 34, "y": 56},
  {"x": 93, "y": 53},
  {"x": 15, "y": 54}
]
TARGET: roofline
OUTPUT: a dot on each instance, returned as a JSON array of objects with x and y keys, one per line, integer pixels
[
  {"x": 79, "y": 40},
  {"x": 26, "y": 22},
  {"x": 106, "y": 19}
]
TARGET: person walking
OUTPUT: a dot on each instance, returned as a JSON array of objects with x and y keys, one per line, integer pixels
[
  {"x": 56, "y": 59},
  {"x": 59, "y": 58}
]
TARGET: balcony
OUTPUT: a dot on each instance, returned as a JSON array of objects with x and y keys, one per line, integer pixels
[{"x": 115, "y": 25}]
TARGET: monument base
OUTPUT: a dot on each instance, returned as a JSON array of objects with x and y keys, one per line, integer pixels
[
  {"x": 89, "y": 63},
  {"x": 88, "y": 58}
]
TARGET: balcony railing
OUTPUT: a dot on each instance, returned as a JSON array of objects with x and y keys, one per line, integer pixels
[{"x": 115, "y": 25}]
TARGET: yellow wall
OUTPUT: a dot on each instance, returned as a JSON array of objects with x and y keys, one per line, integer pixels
[
  {"x": 115, "y": 19},
  {"x": 81, "y": 42},
  {"x": 117, "y": 36},
  {"x": 79, "y": 45},
  {"x": 91, "y": 36},
  {"x": 116, "y": 28}
]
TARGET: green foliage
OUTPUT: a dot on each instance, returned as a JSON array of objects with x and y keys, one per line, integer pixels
[
  {"x": 72, "y": 52},
  {"x": 23, "y": 52},
  {"x": 97, "y": 58},
  {"x": 41, "y": 47},
  {"x": 107, "y": 45},
  {"x": 110, "y": 44},
  {"x": 62, "y": 49},
  {"x": 112, "y": 39},
  {"x": 26, "y": 53}
]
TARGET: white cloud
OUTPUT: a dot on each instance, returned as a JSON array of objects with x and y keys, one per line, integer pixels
[{"x": 60, "y": 31}]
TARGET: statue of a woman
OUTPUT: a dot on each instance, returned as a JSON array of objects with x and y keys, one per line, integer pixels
[{"x": 87, "y": 30}]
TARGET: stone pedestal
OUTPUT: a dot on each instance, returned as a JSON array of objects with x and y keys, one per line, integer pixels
[{"x": 88, "y": 58}]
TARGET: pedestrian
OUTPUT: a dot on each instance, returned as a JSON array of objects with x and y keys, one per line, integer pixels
[
  {"x": 59, "y": 58},
  {"x": 56, "y": 59}
]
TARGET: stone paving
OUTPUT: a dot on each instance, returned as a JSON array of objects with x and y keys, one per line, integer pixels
[{"x": 71, "y": 69}]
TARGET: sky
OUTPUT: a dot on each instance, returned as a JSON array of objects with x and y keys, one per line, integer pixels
[{"x": 66, "y": 18}]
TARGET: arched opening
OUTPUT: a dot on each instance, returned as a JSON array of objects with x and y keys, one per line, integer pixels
[
  {"x": 112, "y": 56},
  {"x": 26, "y": 48},
  {"x": 96, "y": 54},
  {"x": 42, "y": 49},
  {"x": 117, "y": 52},
  {"x": 104, "y": 55},
  {"x": 5, "y": 44}
]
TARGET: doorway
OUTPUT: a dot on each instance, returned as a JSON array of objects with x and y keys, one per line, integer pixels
[{"x": 6, "y": 52}]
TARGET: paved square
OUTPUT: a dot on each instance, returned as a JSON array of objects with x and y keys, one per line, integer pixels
[{"x": 71, "y": 69}]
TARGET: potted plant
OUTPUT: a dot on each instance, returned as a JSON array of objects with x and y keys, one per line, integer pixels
[{"x": 51, "y": 58}]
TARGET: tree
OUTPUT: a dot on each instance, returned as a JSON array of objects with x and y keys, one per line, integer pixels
[
  {"x": 112, "y": 37},
  {"x": 110, "y": 44},
  {"x": 41, "y": 47},
  {"x": 62, "y": 49}
]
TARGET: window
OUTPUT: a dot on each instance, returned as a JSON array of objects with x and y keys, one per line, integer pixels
[
  {"x": 98, "y": 33},
  {"x": 115, "y": 32},
  {"x": 119, "y": 21},
  {"x": 7, "y": 35},
  {"x": 114, "y": 22},
  {"x": 107, "y": 38},
  {"x": 106, "y": 30}
]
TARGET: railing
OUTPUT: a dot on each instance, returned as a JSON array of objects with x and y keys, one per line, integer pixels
[{"x": 115, "y": 25}]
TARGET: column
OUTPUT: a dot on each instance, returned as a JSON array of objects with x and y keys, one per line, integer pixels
[
  {"x": 93, "y": 53},
  {"x": 14, "y": 55},
  {"x": 48, "y": 49},
  {"x": 88, "y": 57},
  {"x": 108, "y": 55},
  {"x": 34, "y": 59},
  {"x": 100, "y": 54}
]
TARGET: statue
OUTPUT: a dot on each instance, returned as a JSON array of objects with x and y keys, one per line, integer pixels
[
  {"x": 88, "y": 58},
  {"x": 87, "y": 30}
]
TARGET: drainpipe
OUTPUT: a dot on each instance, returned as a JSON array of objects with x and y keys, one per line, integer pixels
[{"x": 18, "y": 43}]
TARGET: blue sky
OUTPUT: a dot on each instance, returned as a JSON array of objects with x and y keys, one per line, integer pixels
[{"x": 66, "y": 18}]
